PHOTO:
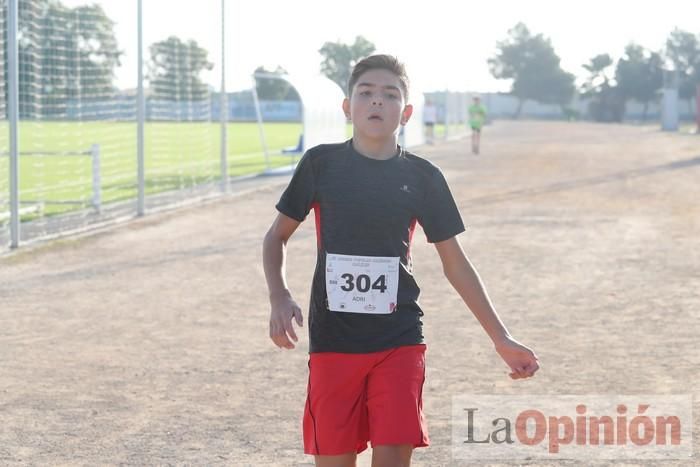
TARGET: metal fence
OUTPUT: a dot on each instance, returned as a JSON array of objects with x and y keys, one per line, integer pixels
[
  {"x": 110, "y": 110},
  {"x": 113, "y": 109}
]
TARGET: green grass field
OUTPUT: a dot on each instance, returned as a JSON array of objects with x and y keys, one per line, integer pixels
[{"x": 177, "y": 155}]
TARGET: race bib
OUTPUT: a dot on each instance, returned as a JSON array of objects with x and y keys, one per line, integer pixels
[{"x": 362, "y": 284}]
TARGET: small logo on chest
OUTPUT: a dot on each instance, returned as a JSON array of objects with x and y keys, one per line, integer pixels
[{"x": 405, "y": 189}]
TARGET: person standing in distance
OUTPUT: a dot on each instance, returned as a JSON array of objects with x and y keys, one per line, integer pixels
[
  {"x": 429, "y": 119},
  {"x": 367, "y": 353},
  {"x": 477, "y": 118}
]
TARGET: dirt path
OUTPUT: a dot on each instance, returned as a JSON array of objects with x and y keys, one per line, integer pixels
[{"x": 147, "y": 344}]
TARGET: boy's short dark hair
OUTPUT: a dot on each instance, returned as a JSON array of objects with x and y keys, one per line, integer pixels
[{"x": 380, "y": 62}]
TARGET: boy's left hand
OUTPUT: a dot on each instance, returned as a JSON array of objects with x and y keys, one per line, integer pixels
[{"x": 519, "y": 358}]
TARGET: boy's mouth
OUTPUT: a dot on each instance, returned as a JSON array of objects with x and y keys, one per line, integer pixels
[{"x": 375, "y": 117}]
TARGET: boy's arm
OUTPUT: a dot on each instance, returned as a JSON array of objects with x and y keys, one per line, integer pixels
[
  {"x": 283, "y": 308},
  {"x": 464, "y": 278}
]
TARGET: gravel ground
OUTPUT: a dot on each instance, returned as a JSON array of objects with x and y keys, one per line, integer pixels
[{"x": 146, "y": 344}]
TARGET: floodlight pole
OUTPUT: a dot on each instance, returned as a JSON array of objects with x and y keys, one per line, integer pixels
[
  {"x": 141, "y": 116},
  {"x": 223, "y": 105},
  {"x": 13, "y": 117}
]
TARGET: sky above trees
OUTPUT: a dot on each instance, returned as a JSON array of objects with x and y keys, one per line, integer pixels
[{"x": 444, "y": 43}]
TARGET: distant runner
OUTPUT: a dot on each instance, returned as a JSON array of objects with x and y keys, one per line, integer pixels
[{"x": 477, "y": 118}]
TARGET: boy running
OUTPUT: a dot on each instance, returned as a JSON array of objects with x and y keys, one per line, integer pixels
[
  {"x": 366, "y": 362},
  {"x": 477, "y": 118}
]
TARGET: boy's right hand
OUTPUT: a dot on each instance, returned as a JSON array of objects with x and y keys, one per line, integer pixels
[{"x": 283, "y": 309}]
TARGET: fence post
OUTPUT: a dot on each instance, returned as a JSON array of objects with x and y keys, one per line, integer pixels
[
  {"x": 13, "y": 117},
  {"x": 141, "y": 116},
  {"x": 96, "y": 182},
  {"x": 223, "y": 106}
]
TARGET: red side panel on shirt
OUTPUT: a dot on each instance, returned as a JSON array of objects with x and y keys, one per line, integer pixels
[
  {"x": 411, "y": 230},
  {"x": 317, "y": 212}
]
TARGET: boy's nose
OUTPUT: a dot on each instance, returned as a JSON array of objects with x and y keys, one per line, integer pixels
[{"x": 377, "y": 101}]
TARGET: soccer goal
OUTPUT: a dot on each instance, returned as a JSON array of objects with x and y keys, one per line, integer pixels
[
  {"x": 322, "y": 118},
  {"x": 74, "y": 181}
]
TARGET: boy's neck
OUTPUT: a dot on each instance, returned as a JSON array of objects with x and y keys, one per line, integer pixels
[{"x": 376, "y": 149}]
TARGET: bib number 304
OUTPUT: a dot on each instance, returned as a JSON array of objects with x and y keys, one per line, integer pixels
[{"x": 362, "y": 284}]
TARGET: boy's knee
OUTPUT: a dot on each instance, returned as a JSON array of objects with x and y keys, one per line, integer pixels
[
  {"x": 343, "y": 460},
  {"x": 398, "y": 455}
]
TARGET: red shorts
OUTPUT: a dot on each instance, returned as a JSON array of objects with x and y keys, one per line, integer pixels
[{"x": 356, "y": 398}]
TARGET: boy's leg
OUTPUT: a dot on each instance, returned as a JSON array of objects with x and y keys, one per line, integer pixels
[
  {"x": 343, "y": 460},
  {"x": 395, "y": 403},
  {"x": 476, "y": 132},
  {"x": 393, "y": 455},
  {"x": 335, "y": 415}
]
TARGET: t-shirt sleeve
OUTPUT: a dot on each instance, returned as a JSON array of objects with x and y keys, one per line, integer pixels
[
  {"x": 440, "y": 217},
  {"x": 298, "y": 197}
]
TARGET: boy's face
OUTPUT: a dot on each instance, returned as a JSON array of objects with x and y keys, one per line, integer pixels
[{"x": 377, "y": 106}]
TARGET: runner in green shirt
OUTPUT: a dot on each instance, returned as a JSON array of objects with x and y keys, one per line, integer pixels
[{"x": 477, "y": 117}]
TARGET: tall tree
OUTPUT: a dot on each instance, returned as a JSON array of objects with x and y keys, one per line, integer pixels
[
  {"x": 271, "y": 88},
  {"x": 533, "y": 66},
  {"x": 174, "y": 70},
  {"x": 339, "y": 59},
  {"x": 639, "y": 75},
  {"x": 683, "y": 49},
  {"x": 64, "y": 53},
  {"x": 598, "y": 69},
  {"x": 605, "y": 104}
]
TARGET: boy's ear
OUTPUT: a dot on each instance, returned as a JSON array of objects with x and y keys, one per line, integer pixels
[
  {"x": 346, "y": 108},
  {"x": 406, "y": 114}
]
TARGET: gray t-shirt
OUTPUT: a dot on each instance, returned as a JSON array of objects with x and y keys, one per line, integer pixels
[{"x": 368, "y": 207}]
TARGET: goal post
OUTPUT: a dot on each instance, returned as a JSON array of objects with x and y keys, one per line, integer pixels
[{"x": 95, "y": 197}]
